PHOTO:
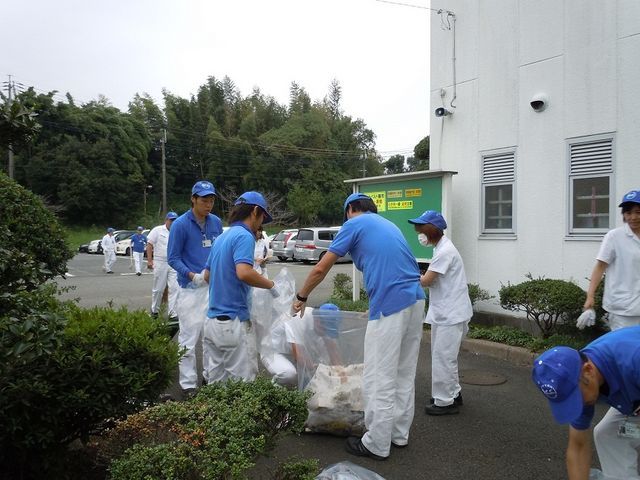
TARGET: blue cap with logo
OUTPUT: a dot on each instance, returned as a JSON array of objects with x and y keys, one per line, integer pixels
[
  {"x": 632, "y": 197},
  {"x": 140, "y": 228},
  {"x": 432, "y": 217},
  {"x": 110, "y": 230},
  {"x": 171, "y": 216},
  {"x": 352, "y": 198},
  {"x": 557, "y": 374},
  {"x": 330, "y": 317},
  {"x": 203, "y": 188},
  {"x": 254, "y": 198}
]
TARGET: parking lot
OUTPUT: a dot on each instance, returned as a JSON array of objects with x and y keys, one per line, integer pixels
[{"x": 94, "y": 288}]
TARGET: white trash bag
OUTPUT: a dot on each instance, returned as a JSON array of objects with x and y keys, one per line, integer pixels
[{"x": 347, "y": 471}]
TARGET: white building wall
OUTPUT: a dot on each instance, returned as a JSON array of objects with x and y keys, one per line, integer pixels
[{"x": 586, "y": 60}]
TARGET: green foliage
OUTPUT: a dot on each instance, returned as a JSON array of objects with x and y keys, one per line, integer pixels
[
  {"x": 477, "y": 294},
  {"x": 395, "y": 164},
  {"x": 342, "y": 296},
  {"x": 215, "y": 435},
  {"x": 545, "y": 301},
  {"x": 298, "y": 469},
  {"x": 517, "y": 338},
  {"x": 420, "y": 159},
  {"x": 33, "y": 246},
  {"x": 66, "y": 373},
  {"x": 18, "y": 124}
]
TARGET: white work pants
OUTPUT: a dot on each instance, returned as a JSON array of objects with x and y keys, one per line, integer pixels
[
  {"x": 281, "y": 367},
  {"x": 391, "y": 348},
  {"x": 109, "y": 259},
  {"x": 164, "y": 275},
  {"x": 445, "y": 346},
  {"x": 617, "y": 322},
  {"x": 618, "y": 455},
  {"x": 234, "y": 362},
  {"x": 137, "y": 260},
  {"x": 193, "y": 304}
]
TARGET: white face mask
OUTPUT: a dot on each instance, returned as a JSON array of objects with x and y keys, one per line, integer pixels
[{"x": 423, "y": 239}]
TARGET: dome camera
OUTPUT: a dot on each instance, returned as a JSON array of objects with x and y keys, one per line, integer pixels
[
  {"x": 442, "y": 112},
  {"x": 539, "y": 102}
]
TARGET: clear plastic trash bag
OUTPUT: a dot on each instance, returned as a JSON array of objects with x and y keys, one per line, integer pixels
[{"x": 347, "y": 471}]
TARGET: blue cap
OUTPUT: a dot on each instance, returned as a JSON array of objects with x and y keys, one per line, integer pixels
[
  {"x": 255, "y": 198},
  {"x": 632, "y": 197},
  {"x": 432, "y": 217},
  {"x": 330, "y": 317},
  {"x": 352, "y": 198},
  {"x": 203, "y": 188},
  {"x": 171, "y": 216},
  {"x": 110, "y": 230},
  {"x": 140, "y": 228},
  {"x": 557, "y": 374}
]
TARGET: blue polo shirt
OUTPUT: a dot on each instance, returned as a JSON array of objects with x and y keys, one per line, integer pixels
[
  {"x": 186, "y": 251},
  {"x": 379, "y": 250},
  {"x": 617, "y": 357},
  {"x": 138, "y": 242},
  {"x": 228, "y": 295}
]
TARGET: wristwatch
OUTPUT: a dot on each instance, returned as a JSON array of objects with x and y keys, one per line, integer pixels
[{"x": 302, "y": 299}]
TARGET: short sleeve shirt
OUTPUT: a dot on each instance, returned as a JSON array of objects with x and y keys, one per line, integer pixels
[
  {"x": 381, "y": 253},
  {"x": 159, "y": 238},
  {"x": 228, "y": 295},
  {"x": 449, "y": 301},
  {"x": 620, "y": 249}
]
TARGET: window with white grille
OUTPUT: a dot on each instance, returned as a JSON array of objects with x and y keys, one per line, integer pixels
[
  {"x": 590, "y": 171},
  {"x": 498, "y": 184}
]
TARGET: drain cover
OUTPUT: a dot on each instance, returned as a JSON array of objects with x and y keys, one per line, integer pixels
[{"x": 480, "y": 377}]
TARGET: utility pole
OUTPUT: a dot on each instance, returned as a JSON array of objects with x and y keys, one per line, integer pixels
[
  {"x": 11, "y": 161},
  {"x": 163, "y": 140},
  {"x": 364, "y": 163}
]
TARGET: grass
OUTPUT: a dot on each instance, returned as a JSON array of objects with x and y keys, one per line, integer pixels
[{"x": 76, "y": 236}]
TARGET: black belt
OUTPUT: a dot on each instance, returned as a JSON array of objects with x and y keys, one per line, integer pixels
[{"x": 223, "y": 317}]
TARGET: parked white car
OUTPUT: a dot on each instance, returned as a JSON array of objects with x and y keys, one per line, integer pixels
[{"x": 123, "y": 246}]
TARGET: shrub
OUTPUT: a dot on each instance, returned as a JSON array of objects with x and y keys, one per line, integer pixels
[
  {"x": 343, "y": 288},
  {"x": 296, "y": 469},
  {"x": 515, "y": 337},
  {"x": 477, "y": 294},
  {"x": 67, "y": 373},
  {"x": 545, "y": 301},
  {"x": 31, "y": 232},
  {"x": 216, "y": 435}
]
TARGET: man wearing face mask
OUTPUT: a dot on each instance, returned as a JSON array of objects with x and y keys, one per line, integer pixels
[{"x": 449, "y": 312}]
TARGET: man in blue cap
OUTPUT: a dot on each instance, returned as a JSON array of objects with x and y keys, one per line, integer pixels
[
  {"x": 394, "y": 331},
  {"x": 619, "y": 258},
  {"x": 449, "y": 312},
  {"x": 138, "y": 245},
  {"x": 190, "y": 242},
  {"x": 230, "y": 273},
  {"x": 608, "y": 369},
  {"x": 163, "y": 274}
]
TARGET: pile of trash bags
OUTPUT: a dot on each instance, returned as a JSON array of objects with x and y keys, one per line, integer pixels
[{"x": 321, "y": 352}]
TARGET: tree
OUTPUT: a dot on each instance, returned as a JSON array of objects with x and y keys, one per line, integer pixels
[
  {"x": 395, "y": 164},
  {"x": 420, "y": 159},
  {"x": 18, "y": 123}
]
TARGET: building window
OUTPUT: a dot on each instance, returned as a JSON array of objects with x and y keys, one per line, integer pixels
[
  {"x": 498, "y": 184},
  {"x": 590, "y": 170}
]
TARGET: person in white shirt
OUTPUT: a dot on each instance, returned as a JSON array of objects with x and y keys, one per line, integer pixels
[
  {"x": 449, "y": 312},
  {"x": 619, "y": 257},
  {"x": 109, "y": 250},
  {"x": 163, "y": 274},
  {"x": 261, "y": 254}
]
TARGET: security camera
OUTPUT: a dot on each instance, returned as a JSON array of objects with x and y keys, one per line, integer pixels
[
  {"x": 539, "y": 102},
  {"x": 442, "y": 112}
]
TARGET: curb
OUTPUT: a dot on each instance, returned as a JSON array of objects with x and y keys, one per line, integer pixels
[{"x": 515, "y": 355}]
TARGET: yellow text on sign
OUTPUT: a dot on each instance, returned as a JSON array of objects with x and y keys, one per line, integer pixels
[
  {"x": 380, "y": 199},
  {"x": 413, "y": 192},
  {"x": 403, "y": 205}
]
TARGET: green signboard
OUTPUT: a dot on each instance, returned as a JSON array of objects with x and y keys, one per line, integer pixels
[{"x": 404, "y": 196}]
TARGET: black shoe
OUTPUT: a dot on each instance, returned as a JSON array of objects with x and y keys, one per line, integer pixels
[
  {"x": 110, "y": 271},
  {"x": 397, "y": 445},
  {"x": 355, "y": 446},
  {"x": 154, "y": 314},
  {"x": 166, "y": 397},
  {"x": 138, "y": 273},
  {"x": 436, "y": 410},
  {"x": 456, "y": 401},
  {"x": 189, "y": 393}
]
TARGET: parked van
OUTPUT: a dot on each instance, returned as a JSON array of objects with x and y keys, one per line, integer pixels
[{"x": 313, "y": 243}]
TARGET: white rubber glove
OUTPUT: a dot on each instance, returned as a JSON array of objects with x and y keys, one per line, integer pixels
[
  {"x": 586, "y": 319},
  {"x": 198, "y": 279}
]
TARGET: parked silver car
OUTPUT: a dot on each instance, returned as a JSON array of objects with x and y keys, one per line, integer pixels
[
  {"x": 313, "y": 243},
  {"x": 283, "y": 244}
]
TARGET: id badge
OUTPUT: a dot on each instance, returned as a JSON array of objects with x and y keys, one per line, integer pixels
[
  {"x": 629, "y": 429},
  {"x": 206, "y": 243}
]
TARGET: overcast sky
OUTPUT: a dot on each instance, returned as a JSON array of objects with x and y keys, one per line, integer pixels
[{"x": 379, "y": 52}]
